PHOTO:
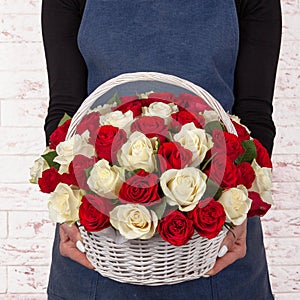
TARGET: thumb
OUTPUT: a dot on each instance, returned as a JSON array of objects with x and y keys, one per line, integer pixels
[{"x": 72, "y": 232}]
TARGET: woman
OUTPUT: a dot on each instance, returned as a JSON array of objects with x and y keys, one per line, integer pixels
[{"x": 228, "y": 47}]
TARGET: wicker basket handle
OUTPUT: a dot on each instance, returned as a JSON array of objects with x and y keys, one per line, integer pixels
[{"x": 149, "y": 76}]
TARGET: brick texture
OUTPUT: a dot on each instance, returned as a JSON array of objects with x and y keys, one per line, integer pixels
[{"x": 25, "y": 231}]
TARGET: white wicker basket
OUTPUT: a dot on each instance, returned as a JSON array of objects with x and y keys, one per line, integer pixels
[{"x": 154, "y": 261}]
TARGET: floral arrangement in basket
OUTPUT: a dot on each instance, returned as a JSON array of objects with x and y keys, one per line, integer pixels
[{"x": 154, "y": 163}]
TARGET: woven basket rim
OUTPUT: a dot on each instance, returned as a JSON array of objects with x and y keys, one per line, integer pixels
[{"x": 149, "y": 76}]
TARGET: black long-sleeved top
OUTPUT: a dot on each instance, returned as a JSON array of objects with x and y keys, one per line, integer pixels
[{"x": 260, "y": 36}]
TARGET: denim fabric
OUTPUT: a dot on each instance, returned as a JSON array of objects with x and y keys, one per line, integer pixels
[{"x": 195, "y": 40}]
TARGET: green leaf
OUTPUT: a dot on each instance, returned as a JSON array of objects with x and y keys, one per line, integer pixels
[
  {"x": 88, "y": 171},
  {"x": 114, "y": 99},
  {"x": 210, "y": 126},
  {"x": 212, "y": 190},
  {"x": 160, "y": 208},
  {"x": 249, "y": 154},
  {"x": 49, "y": 157},
  {"x": 65, "y": 118}
]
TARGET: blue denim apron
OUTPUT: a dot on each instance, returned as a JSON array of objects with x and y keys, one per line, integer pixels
[{"x": 196, "y": 40}]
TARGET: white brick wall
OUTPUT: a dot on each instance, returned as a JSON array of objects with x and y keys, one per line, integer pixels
[{"x": 25, "y": 231}]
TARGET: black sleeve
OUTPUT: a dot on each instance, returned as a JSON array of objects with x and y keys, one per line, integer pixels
[
  {"x": 260, "y": 38},
  {"x": 67, "y": 73}
]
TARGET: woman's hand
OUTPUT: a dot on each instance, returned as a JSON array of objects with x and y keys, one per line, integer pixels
[
  {"x": 235, "y": 242},
  {"x": 69, "y": 236}
]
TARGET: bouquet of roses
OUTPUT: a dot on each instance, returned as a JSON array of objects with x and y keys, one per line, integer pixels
[{"x": 154, "y": 163}]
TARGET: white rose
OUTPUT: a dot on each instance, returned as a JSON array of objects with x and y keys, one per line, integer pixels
[
  {"x": 160, "y": 109},
  {"x": 195, "y": 140},
  {"x": 39, "y": 166},
  {"x": 236, "y": 204},
  {"x": 117, "y": 119},
  {"x": 103, "y": 109},
  {"x": 210, "y": 115},
  {"x": 105, "y": 180},
  {"x": 263, "y": 182},
  {"x": 63, "y": 204},
  {"x": 67, "y": 150},
  {"x": 183, "y": 187},
  {"x": 134, "y": 221},
  {"x": 137, "y": 153}
]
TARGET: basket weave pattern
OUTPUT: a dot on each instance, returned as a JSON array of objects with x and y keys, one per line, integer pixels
[{"x": 154, "y": 261}]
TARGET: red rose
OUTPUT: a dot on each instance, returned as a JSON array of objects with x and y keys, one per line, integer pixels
[
  {"x": 227, "y": 143},
  {"x": 93, "y": 213},
  {"x": 172, "y": 155},
  {"x": 142, "y": 188},
  {"x": 108, "y": 142},
  {"x": 69, "y": 178},
  {"x": 126, "y": 99},
  {"x": 151, "y": 127},
  {"x": 77, "y": 170},
  {"x": 246, "y": 174},
  {"x": 192, "y": 103},
  {"x": 135, "y": 106},
  {"x": 89, "y": 122},
  {"x": 184, "y": 117},
  {"x": 258, "y": 206},
  {"x": 208, "y": 220},
  {"x": 158, "y": 97},
  {"x": 242, "y": 132},
  {"x": 176, "y": 228},
  {"x": 59, "y": 134},
  {"x": 223, "y": 172},
  {"x": 262, "y": 155},
  {"x": 49, "y": 180}
]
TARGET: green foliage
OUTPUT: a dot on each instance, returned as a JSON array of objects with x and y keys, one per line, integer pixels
[
  {"x": 210, "y": 126},
  {"x": 249, "y": 154},
  {"x": 65, "y": 118},
  {"x": 49, "y": 157},
  {"x": 114, "y": 99}
]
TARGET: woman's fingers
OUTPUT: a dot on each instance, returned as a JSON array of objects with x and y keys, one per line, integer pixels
[
  {"x": 232, "y": 248},
  {"x": 72, "y": 232},
  {"x": 69, "y": 237}
]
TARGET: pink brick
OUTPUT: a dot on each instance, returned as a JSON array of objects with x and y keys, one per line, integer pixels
[
  {"x": 21, "y": 141},
  {"x": 26, "y": 252},
  {"x": 283, "y": 251},
  {"x": 286, "y": 168},
  {"x": 29, "y": 113},
  {"x": 284, "y": 194},
  {"x": 27, "y": 279},
  {"x": 24, "y": 85},
  {"x": 24, "y": 297},
  {"x": 290, "y": 29},
  {"x": 282, "y": 223},
  {"x": 287, "y": 83},
  {"x": 285, "y": 279},
  {"x": 287, "y": 140},
  {"x": 15, "y": 169},
  {"x": 30, "y": 225},
  {"x": 289, "y": 116},
  {"x": 287, "y": 296},
  {"x": 3, "y": 280},
  {"x": 3, "y": 224},
  {"x": 289, "y": 57},
  {"x": 20, "y": 28},
  {"x": 22, "y": 56},
  {"x": 20, "y": 6},
  {"x": 22, "y": 197}
]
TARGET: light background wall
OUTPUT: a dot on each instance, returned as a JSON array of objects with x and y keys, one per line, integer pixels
[{"x": 25, "y": 231}]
